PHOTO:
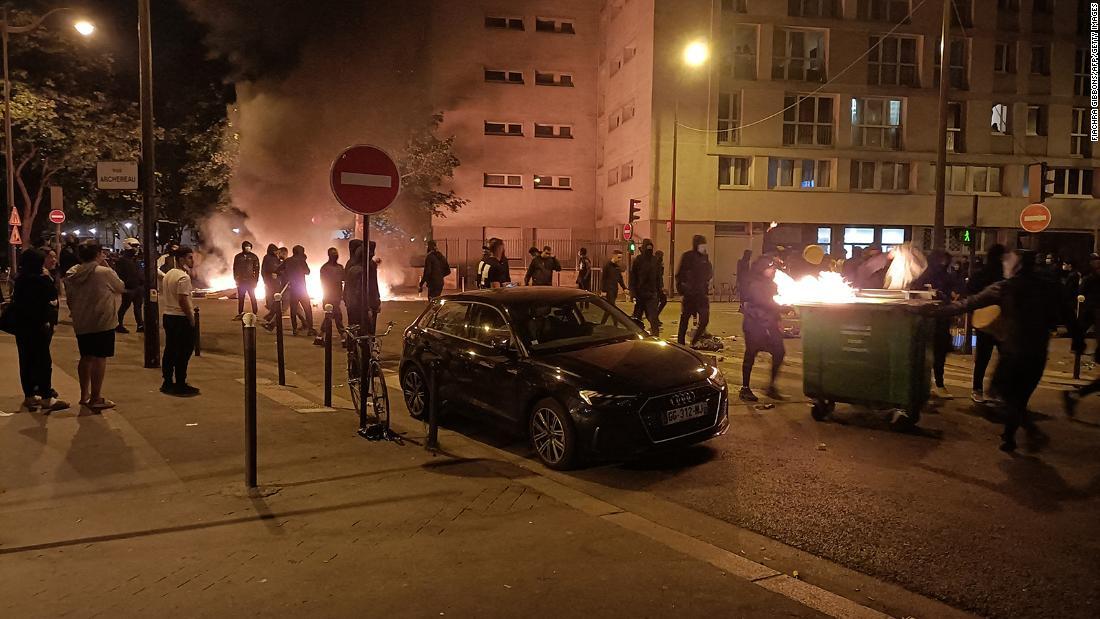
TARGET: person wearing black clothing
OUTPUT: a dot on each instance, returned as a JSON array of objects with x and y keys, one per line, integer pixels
[
  {"x": 34, "y": 303},
  {"x": 645, "y": 286},
  {"x": 990, "y": 273},
  {"x": 584, "y": 270},
  {"x": 611, "y": 280},
  {"x": 436, "y": 268},
  {"x": 761, "y": 325},
  {"x": 68, "y": 258},
  {"x": 496, "y": 265},
  {"x": 293, "y": 271},
  {"x": 693, "y": 281},
  {"x": 541, "y": 270},
  {"x": 1026, "y": 319},
  {"x": 662, "y": 292},
  {"x": 133, "y": 277},
  {"x": 268, "y": 268},
  {"x": 246, "y": 273},
  {"x": 937, "y": 278},
  {"x": 742, "y": 272},
  {"x": 332, "y": 287},
  {"x": 353, "y": 290}
]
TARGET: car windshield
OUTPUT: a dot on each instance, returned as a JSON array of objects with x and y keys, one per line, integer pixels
[{"x": 578, "y": 322}]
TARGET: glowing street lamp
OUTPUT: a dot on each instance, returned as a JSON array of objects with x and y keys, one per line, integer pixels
[
  {"x": 695, "y": 55},
  {"x": 84, "y": 27},
  {"x": 127, "y": 225}
]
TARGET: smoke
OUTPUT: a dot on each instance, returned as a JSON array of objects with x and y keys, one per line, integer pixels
[{"x": 311, "y": 79}]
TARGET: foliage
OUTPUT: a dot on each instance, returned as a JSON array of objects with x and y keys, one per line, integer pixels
[{"x": 428, "y": 163}]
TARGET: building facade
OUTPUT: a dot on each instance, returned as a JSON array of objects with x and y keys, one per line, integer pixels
[{"x": 817, "y": 115}]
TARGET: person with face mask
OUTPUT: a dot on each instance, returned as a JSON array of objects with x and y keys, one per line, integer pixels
[
  {"x": 1023, "y": 332},
  {"x": 693, "y": 281},
  {"x": 246, "y": 273},
  {"x": 268, "y": 269},
  {"x": 645, "y": 286},
  {"x": 761, "y": 325}
]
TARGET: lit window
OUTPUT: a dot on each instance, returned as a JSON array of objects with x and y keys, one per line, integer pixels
[
  {"x": 999, "y": 119},
  {"x": 807, "y": 120},
  {"x": 955, "y": 127},
  {"x": 740, "y": 60},
  {"x": 824, "y": 236},
  {"x": 503, "y": 180},
  {"x": 734, "y": 171},
  {"x": 876, "y": 123},
  {"x": 546, "y": 181}
]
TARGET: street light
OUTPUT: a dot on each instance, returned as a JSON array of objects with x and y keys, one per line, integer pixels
[
  {"x": 85, "y": 28},
  {"x": 695, "y": 55}
]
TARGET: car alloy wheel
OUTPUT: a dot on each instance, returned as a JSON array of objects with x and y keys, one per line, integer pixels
[
  {"x": 552, "y": 435},
  {"x": 416, "y": 393}
]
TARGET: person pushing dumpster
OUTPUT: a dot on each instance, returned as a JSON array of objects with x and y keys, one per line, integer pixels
[{"x": 761, "y": 324}]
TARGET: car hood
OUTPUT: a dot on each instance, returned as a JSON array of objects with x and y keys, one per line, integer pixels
[{"x": 633, "y": 366}]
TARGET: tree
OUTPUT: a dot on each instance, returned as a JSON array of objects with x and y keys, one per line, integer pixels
[{"x": 427, "y": 164}]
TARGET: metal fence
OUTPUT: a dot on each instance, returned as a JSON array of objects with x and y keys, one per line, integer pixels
[{"x": 464, "y": 254}]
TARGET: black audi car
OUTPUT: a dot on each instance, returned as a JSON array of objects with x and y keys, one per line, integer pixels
[{"x": 573, "y": 372}]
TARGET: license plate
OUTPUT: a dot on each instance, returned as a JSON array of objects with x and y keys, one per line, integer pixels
[{"x": 684, "y": 413}]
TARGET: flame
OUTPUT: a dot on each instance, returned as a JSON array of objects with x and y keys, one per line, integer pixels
[
  {"x": 825, "y": 288},
  {"x": 225, "y": 282}
]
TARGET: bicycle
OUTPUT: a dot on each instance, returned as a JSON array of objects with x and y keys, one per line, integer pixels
[{"x": 378, "y": 394}]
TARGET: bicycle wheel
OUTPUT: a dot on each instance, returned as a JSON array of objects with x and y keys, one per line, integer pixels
[
  {"x": 355, "y": 383},
  {"x": 380, "y": 395}
]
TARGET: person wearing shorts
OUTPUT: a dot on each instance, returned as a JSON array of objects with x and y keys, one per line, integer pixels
[{"x": 94, "y": 293}]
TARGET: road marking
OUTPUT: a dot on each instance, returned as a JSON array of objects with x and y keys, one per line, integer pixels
[{"x": 366, "y": 180}]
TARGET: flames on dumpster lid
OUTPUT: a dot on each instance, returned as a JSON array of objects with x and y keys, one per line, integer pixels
[{"x": 824, "y": 288}]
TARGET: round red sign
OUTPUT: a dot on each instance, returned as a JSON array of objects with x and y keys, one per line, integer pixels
[
  {"x": 628, "y": 232},
  {"x": 57, "y": 216},
  {"x": 1035, "y": 218},
  {"x": 365, "y": 179}
]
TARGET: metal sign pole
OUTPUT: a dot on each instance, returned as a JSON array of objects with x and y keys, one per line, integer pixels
[{"x": 364, "y": 329}]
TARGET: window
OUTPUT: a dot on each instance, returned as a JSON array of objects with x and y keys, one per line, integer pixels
[
  {"x": 799, "y": 55},
  {"x": 962, "y": 13},
  {"x": 876, "y": 123},
  {"x": 1004, "y": 57},
  {"x": 729, "y": 118},
  {"x": 735, "y": 6},
  {"x": 741, "y": 61},
  {"x": 504, "y": 23},
  {"x": 892, "y": 11},
  {"x": 503, "y": 180},
  {"x": 553, "y": 131},
  {"x": 450, "y": 318},
  {"x": 560, "y": 26},
  {"x": 879, "y": 176},
  {"x": 800, "y": 173},
  {"x": 892, "y": 237},
  {"x": 507, "y": 77},
  {"x": 1040, "y": 59},
  {"x": 1079, "y": 143},
  {"x": 501, "y": 128},
  {"x": 807, "y": 120},
  {"x": 958, "y": 60},
  {"x": 546, "y": 181},
  {"x": 615, "y": 120},
  {"x": 972, "y": 179},
  {"x": 549, "y": 78},
  {"x": 1036, "y": 120},
  {"x": 824, "y": 236},
  {"x": 999, "y": 119},
  {"x": 857, "y": 237},
  {"x": 612, "y": 177},
  {"x": 955, "y": 143},
  {"x": 1072, "y": 182},
  {"x": 486, "y": 326},
  {"x": 734, "y": 171},
  {"x": 626, "y": 171},
  {"x": 628, "y": 111},
  {"x": 892, "y": 61},
  {"x": 812, "y": 8},
  {"x": 1080, "y": 74}
]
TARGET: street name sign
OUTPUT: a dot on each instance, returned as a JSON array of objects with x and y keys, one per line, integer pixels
[
  {"x": 116, "y": 175},
  {"x": 365, "y": 179}
]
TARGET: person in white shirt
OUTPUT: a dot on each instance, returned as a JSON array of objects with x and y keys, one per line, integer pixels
[{"x": 179, "y": 324}]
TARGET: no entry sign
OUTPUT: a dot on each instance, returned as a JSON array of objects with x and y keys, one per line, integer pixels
[
  {"x": 57, "y": 216},
  {"x": 1035, "y": 218},
  {"x": 365, "y": 179},
  {"x": 628, "y": 232}
]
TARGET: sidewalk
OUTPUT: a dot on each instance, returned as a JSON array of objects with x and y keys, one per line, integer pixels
[{"x": 142, "y": 510}]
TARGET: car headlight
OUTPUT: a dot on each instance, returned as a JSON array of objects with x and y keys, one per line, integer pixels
[
  {"x": 588, "y": 395},
  {"x": 716, "y": 378},
  {"x": 592, "y": 397}
]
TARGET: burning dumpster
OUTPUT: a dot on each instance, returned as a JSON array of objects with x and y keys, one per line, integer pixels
[{"x": 867, "y": 351}]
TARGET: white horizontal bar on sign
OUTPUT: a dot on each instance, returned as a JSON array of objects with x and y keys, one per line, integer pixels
[
  {"x": 366, "y": 180},
  {"x": 1035, "y": 217}
]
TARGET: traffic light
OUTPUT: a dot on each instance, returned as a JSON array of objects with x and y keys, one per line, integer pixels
[
  {"x": 632, "y": 247},
  {"x": 635, "y": 210},
  {"x": 966, "y": 236},
  {"x": 1040, "y": 182}
]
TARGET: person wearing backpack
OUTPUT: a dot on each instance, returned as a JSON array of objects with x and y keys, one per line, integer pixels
[{"x": 436, "y": 268}]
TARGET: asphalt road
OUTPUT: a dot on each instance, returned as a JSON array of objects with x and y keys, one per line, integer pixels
[{"x": 939, "y": 511}]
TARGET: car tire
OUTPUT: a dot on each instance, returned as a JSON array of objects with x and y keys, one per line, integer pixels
[
  {"x": 414, "y": 387},
  {"x": 552, "y": 435}
]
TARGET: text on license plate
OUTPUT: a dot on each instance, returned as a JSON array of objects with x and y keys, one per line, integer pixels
[{"x": 684, "y": 413}]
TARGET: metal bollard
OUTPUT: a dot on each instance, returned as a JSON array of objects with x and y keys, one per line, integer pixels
[
  {"x": 1077, "y": 354},
  {"x": 198, "y": 334},
  {"x": 248, "y": 328},
  {"x": 328, "y": 354},
  {"x": 279, "y": 337},
  {"x": 432, "y": 443}
]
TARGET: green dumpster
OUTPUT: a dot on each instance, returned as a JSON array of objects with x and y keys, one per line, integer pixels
[{"x": 871, "y": 352}]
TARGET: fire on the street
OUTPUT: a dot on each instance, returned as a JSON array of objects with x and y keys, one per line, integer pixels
[
  {"x": 825, "y": 288},
  {"x": 225, "y": 283}
]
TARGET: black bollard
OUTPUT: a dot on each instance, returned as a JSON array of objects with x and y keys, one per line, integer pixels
[
  {"x": 328, "y": 354},
  {"x": 279, "y": 337},
  {"x": 1077, "y": 353},
  {"x": 198, "y": 334},
  {"x": 248, "y": 325},
  {"x": 432, "y": 444}
]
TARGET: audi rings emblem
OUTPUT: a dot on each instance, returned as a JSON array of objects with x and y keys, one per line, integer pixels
[{"x": 680, "y": 399}]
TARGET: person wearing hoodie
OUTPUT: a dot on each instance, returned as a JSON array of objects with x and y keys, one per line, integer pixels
[
  {"x": 268, "y": 269},
  {"x": 761, "y": 325},
  {"x": 246, "y": 273},
  {"x": 93, "y": 292},
  {"x": 353, "y": 290},
  {"x": 294, "y": 270},
  {"x": 1026, "y": 319},
  {"x": 436, "y": 268},
  {"x": 645, "y": 287},
  {"x": 938, "y": 279},
  {"x": 991, "y": 273},
  {"x": 693, "y": 281},
  {"x": 130, "y": 272},
  {"x": 34, "y": 302},
  {"x": 332, "y": 287}
]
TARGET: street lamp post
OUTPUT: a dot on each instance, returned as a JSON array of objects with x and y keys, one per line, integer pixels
[
  {"x": 695, "y": 55},
  {"x": 85, "y": 28},
  {"x": 148, "y": 188}
]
